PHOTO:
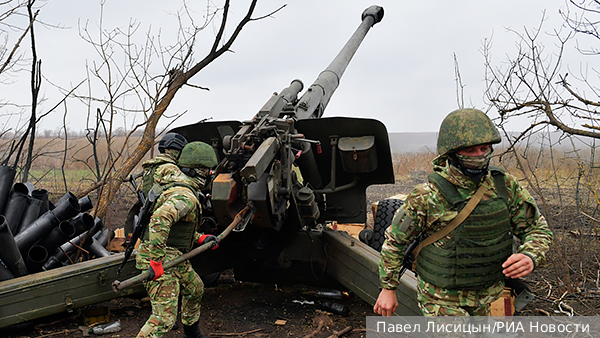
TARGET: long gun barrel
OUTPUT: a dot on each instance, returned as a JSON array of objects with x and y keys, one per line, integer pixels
[{"x": 313, "y": 102}]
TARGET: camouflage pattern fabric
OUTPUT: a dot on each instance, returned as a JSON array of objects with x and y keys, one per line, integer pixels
[
  {"x": 425, "y": 210},
  {"x": 173, "y": 205},
  {"x": 464, "y": 128},
  {"x": 163, "y": 294},
  {"x": 198, "y": 155},
  {"x": 156, "y": 168},
  {"x": 436, "y": 301}
]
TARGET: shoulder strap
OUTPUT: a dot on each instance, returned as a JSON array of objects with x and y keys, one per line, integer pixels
[
  {"x": 499, "y": 182},
  {"x": 447, "y": 189},
  {"x": 148, "y": 180},
  {"x": 462, "y": 215}
]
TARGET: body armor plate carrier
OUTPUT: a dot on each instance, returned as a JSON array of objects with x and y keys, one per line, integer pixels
[
  {"x": 181, "y": 235},
  {"x": 473, "y": 257}
]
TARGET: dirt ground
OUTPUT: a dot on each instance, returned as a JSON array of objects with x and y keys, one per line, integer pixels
[
  {"x": 230, "y": 308},
  {"x": 233, "y": 308}
]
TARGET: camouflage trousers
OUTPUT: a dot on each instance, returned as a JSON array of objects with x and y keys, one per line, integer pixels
[
  {"x": 437, "y": 301},
  {"x": 164, "y": 295}
]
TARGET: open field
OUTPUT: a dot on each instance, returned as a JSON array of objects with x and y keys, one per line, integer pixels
[{"x": 564, "y": 186}]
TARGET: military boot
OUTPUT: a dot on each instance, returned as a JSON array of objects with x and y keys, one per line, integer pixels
[{"x": 192, "y": 331}]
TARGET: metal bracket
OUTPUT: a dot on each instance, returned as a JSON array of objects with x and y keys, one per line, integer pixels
[
  {"x": 68, "y": 303},
  {"x": 102, "y": 278}
]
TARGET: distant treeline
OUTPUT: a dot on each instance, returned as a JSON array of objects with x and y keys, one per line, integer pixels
[{"x": 72, "y": 134}]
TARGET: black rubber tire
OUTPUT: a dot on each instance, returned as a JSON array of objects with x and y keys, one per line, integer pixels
[{"x": 383, "y": 218}]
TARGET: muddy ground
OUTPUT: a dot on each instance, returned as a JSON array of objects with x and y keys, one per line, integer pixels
[{"x": 233, "y": 308}]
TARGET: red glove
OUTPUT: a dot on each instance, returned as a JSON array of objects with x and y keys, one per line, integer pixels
[
  {"x": 156, "y": 270},
  {"x": 209, "y": 238}
]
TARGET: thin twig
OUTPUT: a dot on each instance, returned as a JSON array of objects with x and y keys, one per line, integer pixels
[
  {"x": 317, "y": 330},
  {"x": 234, "y": 333},
  {"x": 337, "y": 334}
]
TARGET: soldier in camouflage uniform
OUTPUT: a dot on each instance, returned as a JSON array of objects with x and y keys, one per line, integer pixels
[
  {"x": 463, "y": 272},
  {"x": 169, "y": 147},
  {"x": 170, "y": 233}
]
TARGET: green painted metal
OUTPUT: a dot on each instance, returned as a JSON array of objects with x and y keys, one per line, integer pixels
[
  {"x": 63, "y": 289},
  {"x": 355, "y": 265}
]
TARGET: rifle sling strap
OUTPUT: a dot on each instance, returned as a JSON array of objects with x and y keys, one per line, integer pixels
[{"x": 462, "y": 215}]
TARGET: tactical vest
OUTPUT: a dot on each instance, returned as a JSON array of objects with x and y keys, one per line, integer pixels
[
  {"x": 148, "y": 179},
  {"x": 181, "y": 234},
  {"x": 473, "y": 257}
]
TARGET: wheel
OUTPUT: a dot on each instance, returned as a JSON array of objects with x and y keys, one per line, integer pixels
[{"x": 383, "y": 218}]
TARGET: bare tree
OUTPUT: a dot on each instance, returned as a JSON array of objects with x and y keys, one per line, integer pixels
[
  {"x": 559, "y": 101},
  {"x": 155, "y": 90},
  {"x": 10, "y": 56}
]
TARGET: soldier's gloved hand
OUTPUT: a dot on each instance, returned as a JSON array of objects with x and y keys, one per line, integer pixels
[
  {"x": 209, "y": 238},
  {"x": 156, "y": 270}
]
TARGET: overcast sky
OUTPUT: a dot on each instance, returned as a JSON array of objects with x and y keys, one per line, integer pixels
[{"x": 403, "y": 74}]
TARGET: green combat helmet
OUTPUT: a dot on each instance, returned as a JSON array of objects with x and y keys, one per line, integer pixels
[
  {"x": 465, "y": 128},
  {"x": 198, "y": 155}
]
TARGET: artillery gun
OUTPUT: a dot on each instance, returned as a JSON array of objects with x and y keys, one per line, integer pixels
[{"x": 297, "y": 169}]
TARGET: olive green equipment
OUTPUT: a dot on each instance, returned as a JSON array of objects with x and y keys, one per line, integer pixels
[{"x": 465, "y": 128}]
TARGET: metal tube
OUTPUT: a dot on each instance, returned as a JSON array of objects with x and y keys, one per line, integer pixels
[
  {"x": 58, "y": 236},
  {"x": 36, "y": 256},
  {"x": 42, "y": 195},
  {"x": 38, "y": 229},
  {"x": 5, "y": 274},
  {"x": 97, "y": 249},
  {"x": 244, "y": 213},
  {"x": 9, "y": 252},
  {"x": 85, "y": 203},
  {"x": 66, "y": 207},
  {"x": 15, "y": 207},
  {"x": 313, "y": 102},
  {"x": 7, "y": 176},
  {"x": 32, "y": 212},
  {"x": 82, "y": 223}
]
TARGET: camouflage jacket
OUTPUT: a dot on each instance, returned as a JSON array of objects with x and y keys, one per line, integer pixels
[
  {"x": 174, "y": 204},
  {"x": 163, "y": 164},
  {"x": 430, "y": 213}
]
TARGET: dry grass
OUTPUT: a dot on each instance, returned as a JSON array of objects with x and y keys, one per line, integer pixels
[
  {"x": 75, "y": 169},
  {"x": 565, "y": 186}
]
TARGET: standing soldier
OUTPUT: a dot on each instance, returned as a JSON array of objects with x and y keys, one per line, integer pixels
[
  {"x": 171, "y": 232},
  {"x": 461, "y": 273}
]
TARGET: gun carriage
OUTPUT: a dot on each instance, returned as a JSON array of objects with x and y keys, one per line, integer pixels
[{"x": 297, "y": 170}]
